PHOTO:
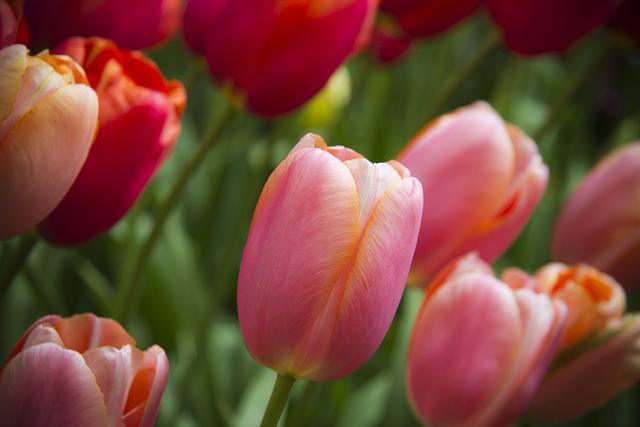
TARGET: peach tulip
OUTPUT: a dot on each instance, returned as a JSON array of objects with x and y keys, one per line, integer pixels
[
  {"x": 326, "y": 260},
  {"x": 483, "y": 177},
  {"x": 600, "y": 223},
  {"x": 599, "y": 353},
  {"x": 279, "y": 55},
  {"x": 479, "y": 348},
  {"x": 131, "y": 24},
  {"x": 48, "y": 118},
  {"x": 81, "y": 371},
  {"x": 139, "y": 125}
]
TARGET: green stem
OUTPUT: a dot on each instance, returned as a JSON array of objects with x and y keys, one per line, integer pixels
[
  {"x": 462, "y": 74},
  {"x": 16, "y": 260},
  {"x": 131, "y": 289},
  {"x": 277, "y": 401}
]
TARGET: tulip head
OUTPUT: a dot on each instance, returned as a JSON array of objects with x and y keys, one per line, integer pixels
[
  {"x": 48, "y": 118},
  {"x": 485, "y": 177},
  {"x": 131, "y": 24},
  {"x": 13, "y": 28},
  {"x": 278, "y": 56},
  {"x": 600, "y": 224},
  {"x": 535, "y": 27},
  {"x": 81, "y": 371},
  {"x": 479, "y": 348},
  {"x": 314, "y": 298},
  {"x": 139, "y": 124}
]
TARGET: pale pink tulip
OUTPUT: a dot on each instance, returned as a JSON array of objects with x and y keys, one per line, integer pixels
[
  {"x": 48, "y": 118},
  {"x": 326, "y": 260},
  {"x": 600, "y": 224},
  {"x": 479, "y": 348},
  {"x": 482, "y": 179},
  {"x": 81, "y": 371}
]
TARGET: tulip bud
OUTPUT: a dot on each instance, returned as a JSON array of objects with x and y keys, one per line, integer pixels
[
  {"x": 599, "y": 223},
  {"x": 485, "y": 177},
  {"x": 48, "y": 118},
  {"x": 315, "y": 298},
  {"x": 586, "y": 378},
  {"x": 479, "y": 348},
  {"x": 532, "y": 27},
  {"x": 81, "y": 371},
  {"x": 139, "y": 124},
  {"x": 277, "y": 57},
  {"x": 130, "y": 24},
  {"x": 424, "y": 18}
]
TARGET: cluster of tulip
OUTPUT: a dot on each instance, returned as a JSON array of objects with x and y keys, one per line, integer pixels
[{"x": 484, "y": 350}]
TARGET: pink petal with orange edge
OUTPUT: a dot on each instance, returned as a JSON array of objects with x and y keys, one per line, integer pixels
[
  {"x": 303, "y": 231},
  {"x": 47, "y": 386},
  {"x": 42, "y": 334},
  {"x": 155, "y": 360}
]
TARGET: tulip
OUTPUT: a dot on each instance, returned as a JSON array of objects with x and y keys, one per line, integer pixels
[
  {"x": 81, "y": 371},
  {"x": 599, "y": 223},
  {"x": 131, "y": 24},
  {"x": 277, "y": 57},
  {"x": 48, "y": 118},
  {"x": 139, "y": 124},
  {"x": 424, "y": 18},
  {"x": 599, "y": 353},
  {"x": 479, "y": 348},
  {"x": 485, "y": 176},
  {"x": 532, "y": 27},
  {"x": 326, "y": 260},
  {"x": 13, "y": 28}
]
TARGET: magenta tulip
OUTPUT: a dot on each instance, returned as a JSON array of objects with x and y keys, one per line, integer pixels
[
  {"x": 482, "y": 178},
  {"x": 532, "y": 27},
  {"x": 139, "y": 124},
  {"x": 81, "y": 371},
  {"x": 131, "y": 24},
  {"x": 279, "y": 55},
  {"x": 326, "y": 260},
  {"x": 48, "y": 118},
  {"x": 479, "y": 348},
  {"x": 599, "y": 225}
]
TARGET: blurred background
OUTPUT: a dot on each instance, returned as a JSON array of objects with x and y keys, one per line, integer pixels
[{"x": 578, "y": 106}]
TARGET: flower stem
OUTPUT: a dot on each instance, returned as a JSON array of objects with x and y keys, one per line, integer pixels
[
  {"x": 277, "y": 401},
  {"x": 16, "y": 260},
  {"x": 131, "y": 289},
  {"x": 462, "y": 74}
]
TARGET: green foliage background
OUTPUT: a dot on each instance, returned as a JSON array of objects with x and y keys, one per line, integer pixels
[{"x": 188, "y": 306}]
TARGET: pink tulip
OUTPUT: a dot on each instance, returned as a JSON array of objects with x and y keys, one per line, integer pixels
[
  {"x": 131, "y": 24},
  {"x": 139, "y": 124},
  {"x": 599, "y": 353},
  {"x": 484, "y": 177},
  {"x": 532, "y": 27},
  {"x": 599, "y": 223},
  {"x": 81, "y": 371},
  {"x": 48, "y": 118},
  {"x": 279, "y": 55},
  {"x": 326, "y": 260},
  {"x": 479, "y": 348}
]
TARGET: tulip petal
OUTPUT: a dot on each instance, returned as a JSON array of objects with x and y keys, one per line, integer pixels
[
  {"x": 43, "y": 334},
  {"x": 47, "y": 386},
  {"x": 155, "y": 360},
  {"x": 13, "y": 63},
  {"x": 300, "y": 240},
  {"x": 593, "y": 377},
  {"x": 84, "y": 332},
  {"x": 42, "y": 155},
  {"x": 369, "y": 291}
]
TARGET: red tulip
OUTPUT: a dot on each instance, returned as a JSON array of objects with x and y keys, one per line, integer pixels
[
  {"x": 139, "y": 124},
  {"x": 482, "y": 179},
  {"x": 532, "y": 27},
  {"x": 277, "y": 56},
  {"x": 131, "y": 24},
  {"x": 326, "y": 260},
  {"x": 48, "y": 119},
  {"x": 81, "y": 371},
  {"x": 599, "y": 224},
  {"x": 479, "y": 348}
]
